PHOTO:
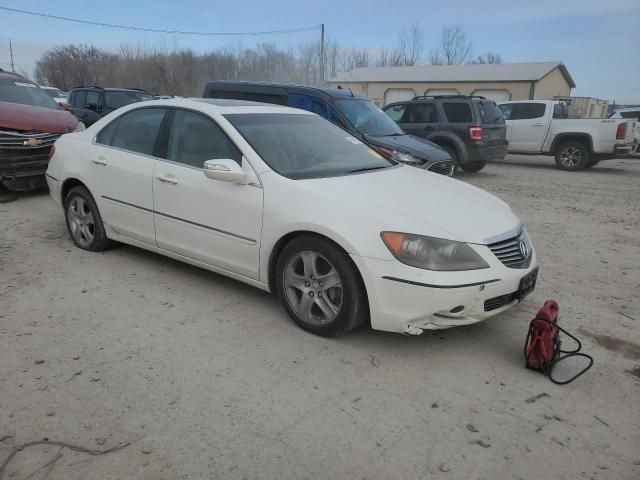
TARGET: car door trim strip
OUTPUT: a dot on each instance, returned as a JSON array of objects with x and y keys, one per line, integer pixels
[
  {"x": 411, "y": 282},
  {"x": 224, "y": 232}
]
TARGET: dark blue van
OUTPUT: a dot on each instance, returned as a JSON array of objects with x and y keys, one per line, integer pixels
[{"x": 356, "y": 114}]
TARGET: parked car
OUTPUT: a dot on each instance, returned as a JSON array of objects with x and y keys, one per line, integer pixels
[
  {"x": 540, "y": 127},
  {"x": 358, "y": 115},
  {"x": 30, "y": 122},
  {"x": 630, "y": 113},
  {"x": 283, "y": 200},
  {"x": 471, "y": 129},
  {"x": 92, "y": 103},
  {"x": 58, "y": 95}
]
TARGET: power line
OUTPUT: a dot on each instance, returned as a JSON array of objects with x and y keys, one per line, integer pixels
[{"x": 154, "y": 30}]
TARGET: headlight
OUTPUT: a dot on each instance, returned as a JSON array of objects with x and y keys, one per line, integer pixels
[
  {"x": 432, "y": 253},
  {"x": 400, "y": 156},
  {"x": 80, "y": 127}
]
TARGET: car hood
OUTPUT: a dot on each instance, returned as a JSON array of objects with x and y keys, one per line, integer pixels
[
  {"x": 416, "y": 146},
  {"x": 420, "y": 202},
  {"x": 27, "y": 118}
]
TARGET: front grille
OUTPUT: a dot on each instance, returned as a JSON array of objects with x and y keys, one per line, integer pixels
[
  {"x": 443, "y": 168},
  {"x": 15, "y": 141},
  {"x": 515, "y": 252},
  {"x": 497, "y": 302}
]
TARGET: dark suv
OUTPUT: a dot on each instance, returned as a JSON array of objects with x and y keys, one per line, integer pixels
[
  {"x": 471, "y": 129},
  {"x": 357, "y": 115},
  {"x": 90, "y": 104}
]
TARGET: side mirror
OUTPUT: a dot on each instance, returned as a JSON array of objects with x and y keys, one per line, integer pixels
[
  {"x": 92, "y": 106},
  {"x": 225, "y": 170}
]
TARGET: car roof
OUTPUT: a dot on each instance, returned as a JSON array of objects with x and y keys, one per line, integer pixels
[
  {"x": 220, "y": 106},
  {"x": 331, "y": 92},
  {"x": 110, "y": 89},
  {"x": 4, "y": 75}
]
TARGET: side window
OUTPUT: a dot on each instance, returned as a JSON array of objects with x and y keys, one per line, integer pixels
[
  {"x": 195, "y": 138},
  {"x": 506, "y": 110},
  {"x": 79, "y": 98},
  {"x": 310, "y": 104},
  {"x": 458, "y": 112},
  {"x": 263, "y": 97},
  {"x": 396, "y": 111},
  {"x": 105, "y": 136},
  {"x": 93, "y": 98},
  {"x": 420, "y": 113},
  {"x": 630, "y": 114},
  {"x": 137, "y": 130},
  {"x": 527, "y": 111}
]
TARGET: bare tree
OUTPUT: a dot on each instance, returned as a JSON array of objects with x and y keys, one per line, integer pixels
[
  {"x": 354, "y": 58},
  {"x": 454, "y": 47},
  {"x": 489, "y": 57},
  {"x": 388, "y": 58},
  {"x": 411, "y": 44}
]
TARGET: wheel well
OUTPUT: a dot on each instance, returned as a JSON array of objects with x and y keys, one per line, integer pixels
[
  {"x": 580, "y": 138},
  {"x": 67, "y": 186},
  {"x": 280, "y": 244},
  {"x": 448, "y": 143}
]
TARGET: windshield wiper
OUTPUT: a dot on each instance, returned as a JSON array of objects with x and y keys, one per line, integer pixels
[{"x": 367, "y": 169}]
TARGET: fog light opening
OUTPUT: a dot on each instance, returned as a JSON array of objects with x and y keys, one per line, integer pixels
[{"x": 457, "y": 309}]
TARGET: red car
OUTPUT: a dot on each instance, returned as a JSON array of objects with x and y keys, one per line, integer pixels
[{"x": 30, "y": 122}]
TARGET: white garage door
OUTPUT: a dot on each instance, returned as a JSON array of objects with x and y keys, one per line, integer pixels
[
  {"x": 442, "y": 91},
  {"x": 495, "y": 95},
  {"x": 398, "y": 95}
]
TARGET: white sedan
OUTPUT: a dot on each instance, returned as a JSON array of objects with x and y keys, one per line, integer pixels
[{"x": 283, "y": 200}]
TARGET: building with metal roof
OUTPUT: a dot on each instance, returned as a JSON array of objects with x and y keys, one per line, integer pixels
[{"x": 500, "y": 82}]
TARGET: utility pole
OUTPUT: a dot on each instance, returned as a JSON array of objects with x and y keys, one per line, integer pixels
[
  {"x": 322, "y": 77},
  {"x": 11, "y": 53}
]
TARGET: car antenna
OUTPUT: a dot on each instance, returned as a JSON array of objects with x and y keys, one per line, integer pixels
[{"x": 351, "y": 92}]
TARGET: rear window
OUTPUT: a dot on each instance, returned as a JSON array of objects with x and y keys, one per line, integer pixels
[
  {"x": 489, "y": 112},
  {"x": 630, "y": 114},
  {"x": 458, "y": 112}
]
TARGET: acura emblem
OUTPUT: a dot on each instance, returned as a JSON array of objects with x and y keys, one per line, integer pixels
[{"x": 524, "y": 249}]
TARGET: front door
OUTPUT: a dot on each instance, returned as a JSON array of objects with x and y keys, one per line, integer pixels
[
  {"x": 526, "y": 125},
  {"x": 215, "y": 222},
  {"x": 122, "y": 171}
]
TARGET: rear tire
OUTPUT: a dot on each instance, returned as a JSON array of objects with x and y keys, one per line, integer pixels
[
  {"x": 319, "y": 287},
  {"x": 84, "y": 221},
  {"x": 473, "y": 166},
  {"x": 572, "y": 156}
]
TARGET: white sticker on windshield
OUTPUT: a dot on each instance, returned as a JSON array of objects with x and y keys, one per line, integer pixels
[
  {"x": 21, "y": 84},
  {"x": 355, "y": 141}
]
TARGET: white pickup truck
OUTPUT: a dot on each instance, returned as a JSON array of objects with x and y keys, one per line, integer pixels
[{"x": 537, "y": 127}]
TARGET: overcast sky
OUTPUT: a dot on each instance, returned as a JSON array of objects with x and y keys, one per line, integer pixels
[{"x": 598, "y": 40}]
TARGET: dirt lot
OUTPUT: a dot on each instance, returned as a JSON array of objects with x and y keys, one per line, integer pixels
[{"x": 189, "y": 375}]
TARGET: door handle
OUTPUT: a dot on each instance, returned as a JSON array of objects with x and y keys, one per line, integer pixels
[
  {"x": 538, "y": 124},
  {"x": 167, "y": 179},
  {"x": 100, "y": 161}
]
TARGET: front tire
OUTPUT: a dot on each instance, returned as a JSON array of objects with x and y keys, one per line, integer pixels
[
  {"x": 84, "y": 221},
  {"x": 319, "y": 287},
  {"x": 572, "y": 156},
  {"x": 473, "y": 166}
]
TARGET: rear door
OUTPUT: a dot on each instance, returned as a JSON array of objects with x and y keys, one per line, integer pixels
[
  {"x": 122, "y": 171},
  {"x": 420, "y": 119},
  {"x": 527, "y": 124}
]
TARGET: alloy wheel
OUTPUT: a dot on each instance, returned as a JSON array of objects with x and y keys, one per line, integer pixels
[
  {"x": 570, "y": 156},
  {"x": 313, "y": 288},
  {"x": 81, "y": 221}
]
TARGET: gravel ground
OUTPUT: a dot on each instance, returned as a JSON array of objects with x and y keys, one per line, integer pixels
[{"x": 189, "y": 375}]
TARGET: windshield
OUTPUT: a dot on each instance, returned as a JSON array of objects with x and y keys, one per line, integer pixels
[
  {"x": 367, "y": 118},
  {"x": 54, "y": 93},
  {"x": 305, "y": 146},
  {"x": 120, "y": 98},
  {"x": 13, "y": 91}
]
